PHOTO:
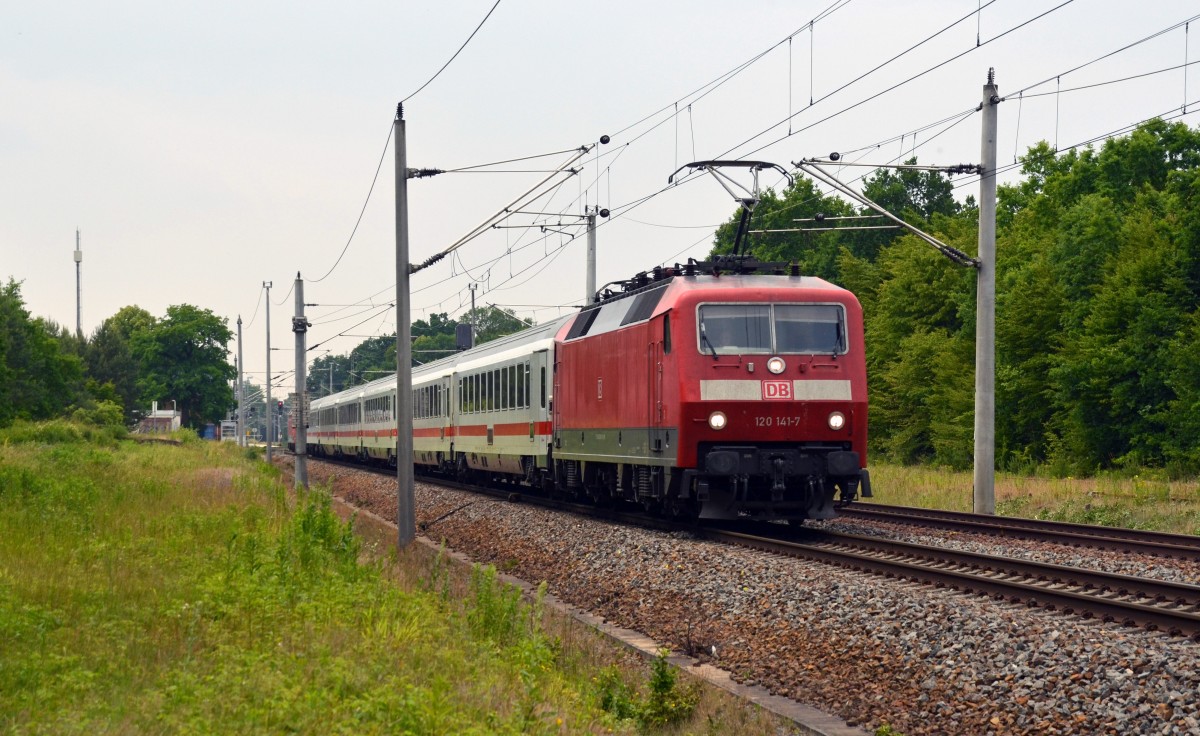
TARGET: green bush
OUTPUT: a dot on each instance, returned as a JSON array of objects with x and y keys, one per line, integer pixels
[
  {"x": 100, "y": 414},
  {"x": 665, "y": 702},
  {"x": 496, "y": 612},
  {"x": 54, "y": 432}
]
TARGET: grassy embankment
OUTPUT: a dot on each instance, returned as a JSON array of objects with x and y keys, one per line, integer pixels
[
  {"x": 171, "y": 589},
  {"x": 1143, "y": 501}
]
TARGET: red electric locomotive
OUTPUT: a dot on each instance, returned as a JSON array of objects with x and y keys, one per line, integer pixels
[
  {"x": 732, "y": 389},
  {"x": 727, "y": 394}
]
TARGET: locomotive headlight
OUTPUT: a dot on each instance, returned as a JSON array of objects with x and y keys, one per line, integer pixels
[
  {"x": 717, "y": 420},
  {"x": 837, "y": 420},
  {"x": 776, "y": 365}
]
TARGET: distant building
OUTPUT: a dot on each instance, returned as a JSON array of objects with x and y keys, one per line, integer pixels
[{"x": 159, "y": 421}]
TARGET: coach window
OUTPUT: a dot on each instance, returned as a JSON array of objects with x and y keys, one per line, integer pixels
[
  {"x": 503, "y": 388},
  {"x": 543, "y": 387}
]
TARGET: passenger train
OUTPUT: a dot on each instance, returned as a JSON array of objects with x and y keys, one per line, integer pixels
[{"x": 735, "y": 390}]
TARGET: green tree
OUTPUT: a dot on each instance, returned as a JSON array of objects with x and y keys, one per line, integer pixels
[
  {"x": 494, "y": 322},
  {"x": 38, "y": 380},
  {"x": 182, "y": 358},
  {"x": 1113, "y": 381},
  {"x": 111, "y": 367},
  {"x": 434, "y": 338},
  {"x": 920, "y": 333}
]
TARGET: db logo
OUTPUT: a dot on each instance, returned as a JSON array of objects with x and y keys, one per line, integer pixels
[{"x": 777, "y": 389}]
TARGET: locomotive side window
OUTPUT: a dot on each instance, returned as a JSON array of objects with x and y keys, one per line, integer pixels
[
  {"x": 730, "y": 329},
  {"x": 667, "y": 334}
]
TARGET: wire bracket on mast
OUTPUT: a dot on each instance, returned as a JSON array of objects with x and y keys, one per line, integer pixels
[{"x": 812, "y": 168}]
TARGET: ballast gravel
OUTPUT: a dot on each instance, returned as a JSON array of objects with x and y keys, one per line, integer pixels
[{"x": 870, "y": 649}]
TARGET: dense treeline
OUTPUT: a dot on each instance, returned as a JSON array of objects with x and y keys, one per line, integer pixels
[
  {"x": 1098, "y": 331},
  {"x": 111, "y": 377}
]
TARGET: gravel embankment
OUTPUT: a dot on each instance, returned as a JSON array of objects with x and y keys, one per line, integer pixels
[{"x": 869, "y": 649}]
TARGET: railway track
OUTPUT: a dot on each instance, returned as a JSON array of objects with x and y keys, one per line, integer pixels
[
  {"x": 1155, "y": 605},
  {"x": 1158, "y": 544}
]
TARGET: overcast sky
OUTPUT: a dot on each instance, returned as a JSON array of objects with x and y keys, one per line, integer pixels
[{"x": 203, "y": 148}]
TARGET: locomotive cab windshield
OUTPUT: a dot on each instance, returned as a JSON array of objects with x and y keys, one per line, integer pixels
[{"x": 738, "y": 329}]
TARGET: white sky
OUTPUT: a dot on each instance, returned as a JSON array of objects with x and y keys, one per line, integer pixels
[{"x": 203, "y": 148}]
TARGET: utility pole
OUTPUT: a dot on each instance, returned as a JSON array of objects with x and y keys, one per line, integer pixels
[
  {"x": 405, "y": 500},
  {"x": 473, "y": 286},
  {"x": 300, "y": 326},
  {"x": 78, "y": 287},
  {"x": 267, "y": 418},
  {"x": 241, "y": 392},
  {"x": 985, "y": 311},
  {"x": 590, "y": 285}
]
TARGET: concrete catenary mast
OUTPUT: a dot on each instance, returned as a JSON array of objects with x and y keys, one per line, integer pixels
[{"x": 78, "y": 287}]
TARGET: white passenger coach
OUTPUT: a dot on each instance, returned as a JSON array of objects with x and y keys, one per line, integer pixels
[{"x": 485, "y": 410}]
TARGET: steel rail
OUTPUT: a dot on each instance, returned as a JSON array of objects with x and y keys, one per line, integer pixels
[
  {"x": 1130, "y": 601},
  {"x": 1158, "y": 544}
]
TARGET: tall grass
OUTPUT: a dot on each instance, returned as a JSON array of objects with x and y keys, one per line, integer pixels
[
  {"x": 1144, "y": 501},
  {"x": 158, "y": 588}
]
